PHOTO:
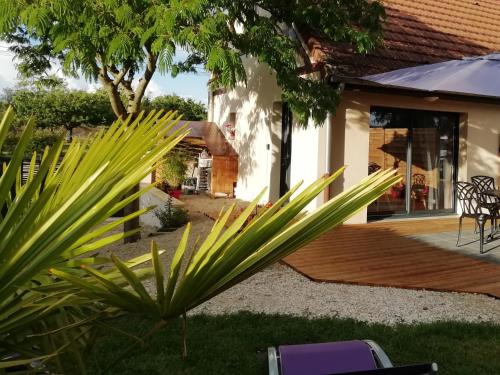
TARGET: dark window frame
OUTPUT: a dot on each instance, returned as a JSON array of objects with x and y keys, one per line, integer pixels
[{"x": 413, "y": 115}]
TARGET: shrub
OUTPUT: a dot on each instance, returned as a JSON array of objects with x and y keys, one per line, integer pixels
[
  {"x": 171, "y": 217},
  {"x": 188, "y": 108},
  {"x": 173, "y": 169},
  {"x": 40, "y": 139}
]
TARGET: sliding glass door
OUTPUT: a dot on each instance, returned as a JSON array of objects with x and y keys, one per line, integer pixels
[{"x": 422, "y": 146}]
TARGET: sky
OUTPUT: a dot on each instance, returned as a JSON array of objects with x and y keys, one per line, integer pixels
[{"x": 189, "y": 86}]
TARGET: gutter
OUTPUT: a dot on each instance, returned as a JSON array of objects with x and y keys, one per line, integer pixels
[{"x": 360, "y": 84}]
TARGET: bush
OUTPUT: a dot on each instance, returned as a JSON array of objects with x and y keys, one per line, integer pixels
[
  {"x": 173, "y": 169},
  {"x": 63, "y": 107},
  {"x": 41, "y": 138},
  {"x": 171, "y": 217},
  {"x": 188, "y": 108}
]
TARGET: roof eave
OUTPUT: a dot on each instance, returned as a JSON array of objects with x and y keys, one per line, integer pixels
[{"x": 359, "y": 84}]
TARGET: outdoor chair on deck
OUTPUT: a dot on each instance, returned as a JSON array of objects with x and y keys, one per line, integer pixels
[
  {"x": 492, "y": 204},
  {"x": 469, "y": 199},
  {"x": 343, "y": 357}
]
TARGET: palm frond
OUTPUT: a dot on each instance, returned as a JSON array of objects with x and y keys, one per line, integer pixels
[
  {"x": 229, "y": 255},
  {"x": 56, "y": 217}
]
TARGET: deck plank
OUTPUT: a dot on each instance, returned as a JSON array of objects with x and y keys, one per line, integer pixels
[{"x": 385, "y": 254}]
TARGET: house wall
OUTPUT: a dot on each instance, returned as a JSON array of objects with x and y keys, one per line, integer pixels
[
  {"x": 478, "y": 144},
  {"x": 257, "y": 109},
  {"x": 258, "y": 136},
  {"x": 308, "y": 157}
]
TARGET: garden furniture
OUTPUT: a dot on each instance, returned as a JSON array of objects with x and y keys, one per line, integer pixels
[
  {"x": 343, "y": 357},
  {"x": 489, "y": 197},
  {"x": 470, "y": 202}
]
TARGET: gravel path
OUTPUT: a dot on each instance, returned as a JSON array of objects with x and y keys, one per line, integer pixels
[{"x": 280, "y": 290}]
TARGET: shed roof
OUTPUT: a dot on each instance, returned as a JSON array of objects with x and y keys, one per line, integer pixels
[
  {"x": 207, "y": 134},
  {"x": 420, "y": 32}
]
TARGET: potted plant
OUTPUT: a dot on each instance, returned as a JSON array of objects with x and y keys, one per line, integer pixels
[{"x": 173, "y": 170}]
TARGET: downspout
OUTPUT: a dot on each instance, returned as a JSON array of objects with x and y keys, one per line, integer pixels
[
  {"x": 329, "y": 135},
  {"x": 329, "y": 153}
]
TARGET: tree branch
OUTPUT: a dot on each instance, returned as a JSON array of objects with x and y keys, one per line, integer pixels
[
  {"x": 113, "y": 93},
  {"x": 146, "y": 78},
  {"x": 118, "y": 75}
]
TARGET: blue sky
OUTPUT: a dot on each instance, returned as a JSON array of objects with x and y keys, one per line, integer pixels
[{"x": 192, "y": 86}]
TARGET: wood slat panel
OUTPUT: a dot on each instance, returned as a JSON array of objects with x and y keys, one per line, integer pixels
[
  {"x": 383, "y": 254},
  {"x": 224, "y": 174}
]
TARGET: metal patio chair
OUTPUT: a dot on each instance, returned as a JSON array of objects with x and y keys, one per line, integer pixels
[
  {"x": 470, "y": 203},
  {"x": 492, "y": 204},
  {"x": 343, "y": 357}
]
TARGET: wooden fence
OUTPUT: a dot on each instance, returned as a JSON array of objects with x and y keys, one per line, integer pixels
[{"x": 25, "y": 166}]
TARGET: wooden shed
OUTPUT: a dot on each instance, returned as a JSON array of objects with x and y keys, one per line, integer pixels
[{"x": 207, "y": 135}]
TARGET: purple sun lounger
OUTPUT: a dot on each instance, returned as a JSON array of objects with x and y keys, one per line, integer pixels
[{"x": 344, "y": 357}]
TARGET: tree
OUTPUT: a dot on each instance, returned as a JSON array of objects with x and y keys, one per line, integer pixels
[
  {"x": 62, "y": 107},
  {"x": 122, "y": 43},
  {"x": 188, "y": 108}
]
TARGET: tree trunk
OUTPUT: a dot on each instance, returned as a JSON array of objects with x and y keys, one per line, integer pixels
[
  {"x": 132, "y": 206},
  {"x": 134, "y": 98},
  {"x": 121, "y": 112},
  {"x": 115, "y": 100},
  {"x": 134, "y": 223}
]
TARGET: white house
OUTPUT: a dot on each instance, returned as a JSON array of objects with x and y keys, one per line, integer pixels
[{"x": 432, "y": 141}]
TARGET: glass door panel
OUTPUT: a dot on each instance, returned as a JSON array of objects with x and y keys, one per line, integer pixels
[
  {"x": 388, "y": 149},
  {"x": 432, "y": 162},
  {"x": 421, "y": 145}
]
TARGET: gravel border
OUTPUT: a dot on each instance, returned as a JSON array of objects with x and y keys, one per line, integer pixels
[{"x": 280, "y": 290}]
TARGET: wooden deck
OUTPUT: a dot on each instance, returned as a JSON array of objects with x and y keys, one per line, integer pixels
[{"x": 382, "y": 254}]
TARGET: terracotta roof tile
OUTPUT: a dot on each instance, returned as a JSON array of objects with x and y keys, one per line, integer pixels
[{"x": 421, "y": 32}]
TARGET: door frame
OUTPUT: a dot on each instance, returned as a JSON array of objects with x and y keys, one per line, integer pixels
[
  {"x": 286, "y": 148},
  {"x": 413, "y": 114}
]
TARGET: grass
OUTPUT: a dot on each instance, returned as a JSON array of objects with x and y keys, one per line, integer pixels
[{"x": 237, "y": 344}]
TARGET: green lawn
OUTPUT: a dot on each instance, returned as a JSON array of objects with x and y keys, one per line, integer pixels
[{"x": 236, "y": 344}]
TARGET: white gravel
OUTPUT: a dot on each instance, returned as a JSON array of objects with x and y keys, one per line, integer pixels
[{"x": 280, "y": 290}]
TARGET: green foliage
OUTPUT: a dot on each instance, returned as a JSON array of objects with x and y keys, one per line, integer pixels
[
  {"x": 58, "y": 107},
  {"x": 54, "y": 294},
  {"x": 173, "y": 169},
  {"x": 41, "y": 138},
  {"x": 188, "y": 108},
  {"x": 56, "y": 219},
  {"x": 113, "y": 41},
  {"x": 171, "y": 217}
]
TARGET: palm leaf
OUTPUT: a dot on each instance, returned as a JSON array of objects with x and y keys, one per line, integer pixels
[
  {"x": 59, "y": 214},
  {"x": 227, "y": 257}
]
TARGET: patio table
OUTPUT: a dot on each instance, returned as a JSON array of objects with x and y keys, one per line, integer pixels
[
  {"x": 494, "y": 209},
  {"x": 492, "y": 193}
]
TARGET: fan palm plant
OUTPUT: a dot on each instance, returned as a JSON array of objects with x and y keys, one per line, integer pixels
[
  {"x": 53, "y": 293},
  {"x": 56, "y": 218}
]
